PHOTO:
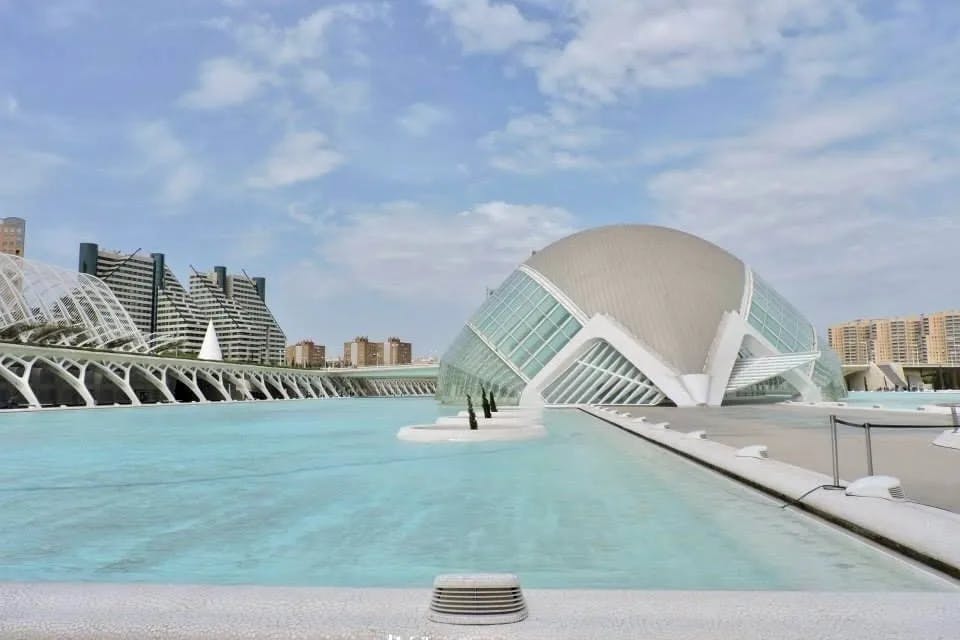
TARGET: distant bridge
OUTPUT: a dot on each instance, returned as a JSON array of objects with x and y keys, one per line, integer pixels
[{"x": 43, "y": 376}]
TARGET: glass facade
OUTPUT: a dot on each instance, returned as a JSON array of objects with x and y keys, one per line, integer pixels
[
  {"x": 789, "y": 332},
  {"x": 828, "y": 374},
  {"x": 524, "y": 323},
  {"x": 779, "y": 321},
  {"x": 470, "y": 364},
  {"x": 526, "y": 327}
]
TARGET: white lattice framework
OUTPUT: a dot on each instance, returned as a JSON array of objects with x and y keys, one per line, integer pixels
[
  {"x": 88, "y": 374},
  {"x": 44, "y": 304}
]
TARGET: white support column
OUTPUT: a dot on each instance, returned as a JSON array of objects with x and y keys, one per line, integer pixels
[
  {"x": 123, "y": 383},
  {"x": 215, "y": 382},
  {"x": 242, "y": 385},
  {"x": 60, "y": 370},
  {"x": 158, "y": 381},
  {"x": 20, "y": 382},
  {"x": 188, "y": 380}
]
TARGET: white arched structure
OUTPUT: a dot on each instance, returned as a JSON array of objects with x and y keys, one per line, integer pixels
[
  {"x": 44, "y": 304},
  {"x": 637, "y": 314},
  {"x": 33, "y": 376}
]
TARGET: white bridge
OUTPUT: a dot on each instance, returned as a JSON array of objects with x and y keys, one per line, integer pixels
[{"x": 44, "y": 376}]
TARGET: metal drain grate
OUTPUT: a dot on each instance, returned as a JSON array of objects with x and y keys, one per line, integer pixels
[{"x": 483, "y": 598}]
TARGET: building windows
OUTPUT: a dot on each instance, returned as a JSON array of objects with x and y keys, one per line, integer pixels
[
  {"x": 778, "y": 321},
  {"x": 524, "y": 323}
]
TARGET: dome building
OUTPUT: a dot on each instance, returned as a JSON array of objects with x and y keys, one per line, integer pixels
[{"x": 637, "y": 315}]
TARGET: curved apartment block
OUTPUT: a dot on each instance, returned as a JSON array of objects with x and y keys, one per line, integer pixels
[{"x": 637, "y": 315}]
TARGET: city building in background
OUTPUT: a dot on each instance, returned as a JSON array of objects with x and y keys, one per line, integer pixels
[
  {"x": 911, "y": 352},
  {"x": 932, "y": 338},
  {"x": 306, "y": 354},
  {"x": 13, "y": 232},
  {"x": 247, "y": 330},
  {"x": 397, "y": 352},
  {"x": 165, "y": 312},
  {"x": 360, "y": 352},
  {"x": 151, "y": 293},
  {"x": 637, "y": 315}
]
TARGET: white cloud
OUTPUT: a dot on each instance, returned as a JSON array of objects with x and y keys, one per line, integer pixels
[
  {"x": 347, "y": 96},
  {"x": 420, "y": 118},
  {"x": 620, "y": 46},
  {"x": 304, "y": 41},
  {"x": 830, "y": 201},
  {"x": 404, "y": 248},
  {"x": 537, "y": 143},
  {"x": 223, "y": 82},
  {"x": 165, "y": 154},
  {"x": 301, "y": 156},
  {"x": 493, "y": 27}
]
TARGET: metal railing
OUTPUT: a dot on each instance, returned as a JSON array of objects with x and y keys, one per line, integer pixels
[{"x": 867, "y": 427}]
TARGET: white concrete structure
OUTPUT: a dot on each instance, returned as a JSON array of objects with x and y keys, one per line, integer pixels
[
  {"x": 462, "y": 433},
  {"x": 33, "y": 377},
  {"x": 43, "y": 304},
  {"x": 637, "y": 315},
  {"x": 210, "y": 349}
]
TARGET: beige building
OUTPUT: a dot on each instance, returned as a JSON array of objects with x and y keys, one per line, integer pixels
[
  {"x": 13, "y": 232},
  {"x": 307, "y": 355},
  {"x": 360, "y": 352},
  {"x": 397, "y": 352},
  {"x": 923, "y": 339}
]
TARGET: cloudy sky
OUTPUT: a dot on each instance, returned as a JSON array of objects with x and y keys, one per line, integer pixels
[{"x": 381, "y": 163}]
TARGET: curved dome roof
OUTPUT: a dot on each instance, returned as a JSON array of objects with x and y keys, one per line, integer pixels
[{"x": 667, "y": 287}]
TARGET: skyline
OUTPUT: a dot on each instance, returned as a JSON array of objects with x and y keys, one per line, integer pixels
[{"x": 382, "y": 164}]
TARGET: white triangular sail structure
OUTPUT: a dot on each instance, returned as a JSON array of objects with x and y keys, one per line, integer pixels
[{"x": 210, "y": 349}]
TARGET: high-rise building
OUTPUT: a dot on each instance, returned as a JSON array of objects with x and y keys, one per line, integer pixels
[
  {"x": 923, "y": 339},
  {"x": 360, "y": 352},
  {"x": 246, "y": 328},
  {"x": 165, "y": 312},
  {"x": 306, "y": 354},
  {"x": 132, "y": 277},
  {"x": 397, "y": 352},
  {"x": 13, "y": 233}
]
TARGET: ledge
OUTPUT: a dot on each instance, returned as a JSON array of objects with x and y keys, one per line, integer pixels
[{"x": 926, "y": 534}]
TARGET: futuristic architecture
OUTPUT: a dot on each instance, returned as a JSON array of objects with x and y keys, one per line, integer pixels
[
  {"x": 43, "y": 304},
  {"x": 637, "y": 315}
]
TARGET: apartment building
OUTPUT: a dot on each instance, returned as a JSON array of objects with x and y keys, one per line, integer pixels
[
  {"x": 922, "y": 339},
  {"x": 397, "y": 352},
  {"x": 306, "y": 354},
  {"x": 360, "y": 352},
  {"x": 245, "y": 326},
  {"x": 13, "y": 232},
  {"x": 175, "y": 319}
]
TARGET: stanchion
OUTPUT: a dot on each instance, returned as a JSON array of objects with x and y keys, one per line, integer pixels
[{"x": 834, "y": 450}]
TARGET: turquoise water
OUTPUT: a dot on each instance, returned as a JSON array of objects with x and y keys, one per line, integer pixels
[
  {"x": 901, "y": 399},
  {"x": 322, "y": 493}
]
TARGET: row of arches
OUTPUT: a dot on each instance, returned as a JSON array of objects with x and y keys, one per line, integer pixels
[{"x": 51, "y": 380}]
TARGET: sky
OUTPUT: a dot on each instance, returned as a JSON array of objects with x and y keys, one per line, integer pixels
[{"x": 383, "y": 163}]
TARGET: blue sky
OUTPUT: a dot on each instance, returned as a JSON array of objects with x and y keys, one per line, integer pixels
[{"x": 381, "y": 163}]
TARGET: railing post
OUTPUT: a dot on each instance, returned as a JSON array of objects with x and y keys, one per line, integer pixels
[
  {"x": 834, "y": 450},
  {"x": 956, "y": 419},
  {"x": 866, "y": 427}
]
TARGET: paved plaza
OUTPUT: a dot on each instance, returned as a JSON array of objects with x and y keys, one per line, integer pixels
[{"x": 800, "y": 435}]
